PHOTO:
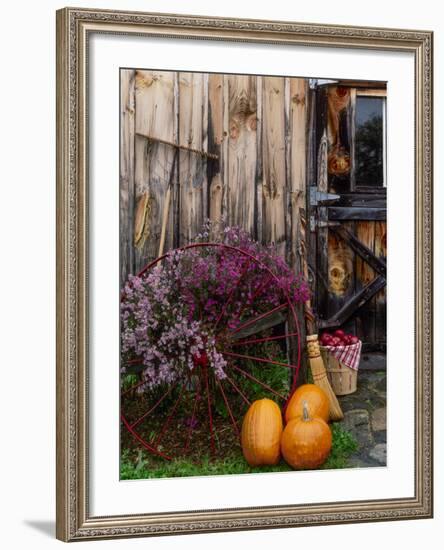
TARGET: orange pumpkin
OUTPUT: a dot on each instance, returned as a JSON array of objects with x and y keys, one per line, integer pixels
[
  {"x": 306, "y": 441},
  {"x": 261, "y": 433},
  {"x": 317, "y": 402}
]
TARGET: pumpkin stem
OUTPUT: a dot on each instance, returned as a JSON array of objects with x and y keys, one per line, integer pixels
[{"x": 305, "y": 415}]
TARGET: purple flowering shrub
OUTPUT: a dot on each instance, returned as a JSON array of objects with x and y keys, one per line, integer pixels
[{"x": 173, "y": 316}]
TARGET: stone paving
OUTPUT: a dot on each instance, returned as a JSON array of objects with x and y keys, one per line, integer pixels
[{"x": 365, "y": 416}]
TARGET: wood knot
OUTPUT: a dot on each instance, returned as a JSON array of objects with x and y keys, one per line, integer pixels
[
  {"x": 298, "y": 99},
  {"x": 144, "y": 80},
  {"x": 251, "y": 122},
  {"x": 234, "y": 129}
]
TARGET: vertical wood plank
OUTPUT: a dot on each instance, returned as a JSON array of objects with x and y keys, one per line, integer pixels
[
  {"x": 153, "y": 161},
  {"x": 176, "y": 184},
  {"x": 290, "y": 324},
  {"x": 365, "y": 317},
  {"x": 215, "y": 139},
  {"x": 204, "y": 146},
  {"x": 381, "y": 297},
  {"x": 289, "y": 241},
  {"x": 321, "y": 267},
  {"x": 242, "y": 152},
  {"x": 258, "y": 230},
  {"x": 273, "y": 146},
  {"x": 310, "y": 241},
  {"x": 297, "y": 185},
  {"x": 224, "y": 147},
  {"x": 126, "y": 206},
  {"x": 298, "y": 178},
  {"x": 193, "y": 107}
]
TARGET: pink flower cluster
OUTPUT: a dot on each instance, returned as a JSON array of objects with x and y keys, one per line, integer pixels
[{"x": 171, "y": 314}]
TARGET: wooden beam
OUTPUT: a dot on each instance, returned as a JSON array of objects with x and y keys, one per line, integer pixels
[
  {"x": 356, "y": 213},
  {"x": 373, "y": 92},
  {"x": 262, "y": 324},
  {"x": 366, "y": 200},
  {"x": 364, "y": 252},
  {"x": 355, "y": 303}
]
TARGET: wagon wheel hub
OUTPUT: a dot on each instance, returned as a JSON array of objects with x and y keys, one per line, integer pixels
[{"x": 201, "y": 360}]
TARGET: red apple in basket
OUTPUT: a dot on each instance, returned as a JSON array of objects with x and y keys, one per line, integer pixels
[
  {"x": 325, "y": 339},
  {"x": 339, "y": 333},
  {"x": 354, "y": 340},
  {"x": 335, "y": 341}
]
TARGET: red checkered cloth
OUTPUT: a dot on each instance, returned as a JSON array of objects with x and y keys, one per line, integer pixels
[{"x": 347, "y": 355}]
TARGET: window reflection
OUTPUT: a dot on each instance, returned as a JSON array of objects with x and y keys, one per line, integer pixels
[{"x": 369, "y": 141}]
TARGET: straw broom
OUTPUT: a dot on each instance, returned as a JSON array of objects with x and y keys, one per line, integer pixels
[{"x": 320, "y": 376}]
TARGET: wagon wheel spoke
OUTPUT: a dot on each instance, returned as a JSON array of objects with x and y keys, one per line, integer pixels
[
  {"x": 263, "y": 384},
  {"x": 259, "y": 359},
  {"x": 158, "y": 402},
  {"x": 129, "y": 390},
  {"x": 169, "y": 418},
  {"x": 136, "y": 436},
  {"x": 239, "y": 391},
  {"x": 267, "y": 339},
  {"x": 210, "y": 413},
  {"x": 227, "y": 404}
]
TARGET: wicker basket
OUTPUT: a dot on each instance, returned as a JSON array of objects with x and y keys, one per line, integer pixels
[{"x": 343, "y": 379}]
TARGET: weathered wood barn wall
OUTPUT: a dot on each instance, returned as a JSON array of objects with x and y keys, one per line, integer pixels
[
  {"x": 265, "y": 132},
  {"x": 255, "y": 125}
]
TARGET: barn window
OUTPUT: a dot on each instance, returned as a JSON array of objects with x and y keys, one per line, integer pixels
[{"x": 370, "y": 146}]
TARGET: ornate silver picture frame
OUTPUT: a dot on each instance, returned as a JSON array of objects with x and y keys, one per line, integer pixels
[{"x": 74, "y": 210}]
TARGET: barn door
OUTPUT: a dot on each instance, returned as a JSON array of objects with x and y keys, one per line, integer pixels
[{"x": 347, "y": 210}]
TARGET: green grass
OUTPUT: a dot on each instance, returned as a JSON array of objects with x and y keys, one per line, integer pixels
[
  {"x": 146, "y": 466},
  {"x": 344, "y": 445}
]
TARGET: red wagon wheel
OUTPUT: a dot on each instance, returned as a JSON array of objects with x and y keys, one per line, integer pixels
[{"x": 204, "y": 405}]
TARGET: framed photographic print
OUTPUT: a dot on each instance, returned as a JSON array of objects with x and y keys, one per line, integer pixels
[{"x": 244, "y": 274}]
